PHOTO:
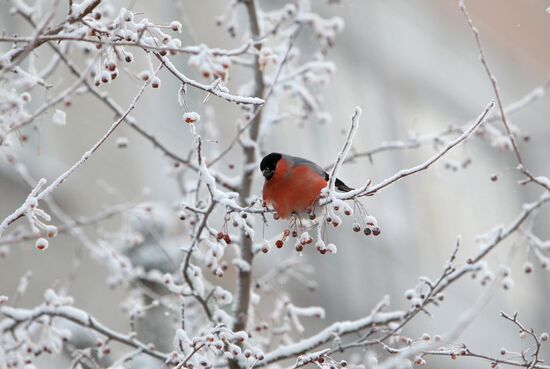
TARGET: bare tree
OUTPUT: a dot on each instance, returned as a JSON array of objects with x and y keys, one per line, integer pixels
[{"x": 177, "y": 316}]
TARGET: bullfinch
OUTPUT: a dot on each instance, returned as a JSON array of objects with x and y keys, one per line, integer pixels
[{"x": 293, "y": 184}]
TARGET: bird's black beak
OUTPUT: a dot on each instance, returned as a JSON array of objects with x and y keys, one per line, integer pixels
[{"x": 268, "y": 173}]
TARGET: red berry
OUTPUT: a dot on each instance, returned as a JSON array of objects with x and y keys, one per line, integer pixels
[
  {"x": 367, "y": 231},
  {"x": 376, "y": 231},
  {"x": 227, "y": 239},
  {"x": 219, "y": 235},
  {"x": 279, "y": 244}
]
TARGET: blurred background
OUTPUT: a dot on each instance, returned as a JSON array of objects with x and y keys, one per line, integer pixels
[{"x": 412, "y": 65}]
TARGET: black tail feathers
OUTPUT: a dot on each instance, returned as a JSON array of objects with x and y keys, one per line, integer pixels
[{"x": 341, "y": 186}]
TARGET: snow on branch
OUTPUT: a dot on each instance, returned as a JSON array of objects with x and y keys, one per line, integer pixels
[
  {"x": 18, "y": 316},
  {"x": 37, "y": 194},
  {"x": 522, "y": 168},
  {"x": 376, "y": 317},
  {"x": 407, "y": 172},
  {"x": 190, "y": 261},
  {"x": 343, "y": 153}
]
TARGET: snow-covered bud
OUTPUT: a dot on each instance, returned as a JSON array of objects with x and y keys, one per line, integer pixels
[
  {"x": 305, "y": 238},
  {"x": 266, "y": 247},
  {"x": 33, "y": 202},
  {"x": 410, "y": 294},
  {"x": 241, "y": 336},
  {"x": 51, "y": 231},
  {"x": 507, "y": 283},
  {"x": 41, "y": 244},
  {"x": 416, "y": 302},
  {"x": 25, "y": 97},
  {"x": 258, "y": 355},
  {"x": 290, "y": 9},
  {"x": 144, "y": 75},
  {"x": 320, "y": 246},
  {"x": 122, "y": 142},
  {"x": 128, "y": 16},
  {"x": 176, "y": 26},
  {"x": 504, "y": 270},
  {"x": 110, "y": 65},
  {"x": 105, "y": 76},
  {"x": 419, "y": 361},
  {"x": 155, "y": 83},
  {"x": 332, "y": 248},
  {"x": 191, "y": 117}
]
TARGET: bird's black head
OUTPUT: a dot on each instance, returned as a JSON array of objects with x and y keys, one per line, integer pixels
[{"x": 269, "y": 163}]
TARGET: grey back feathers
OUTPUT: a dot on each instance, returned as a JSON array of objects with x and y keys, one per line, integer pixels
[{"x": 269, "y": 162}]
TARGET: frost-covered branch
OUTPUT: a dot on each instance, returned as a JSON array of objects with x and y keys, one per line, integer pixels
[
  {"x": 35, "y": 196},
  {"x": 439, "y": 138},
  {"x": 376, "y": 318},
  {"x": 70, "y": 226},
  {"x": 19, "y": 316},
  {"x": 407, "y": 172},
  {"x": 188, "y": 263},
  {"x": 343, "y": 153},
  {"x": 522, "y": 168}
]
